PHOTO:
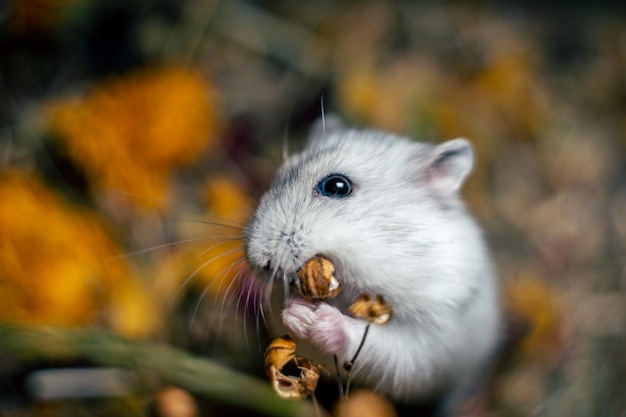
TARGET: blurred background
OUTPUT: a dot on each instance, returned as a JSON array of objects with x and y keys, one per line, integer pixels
[{"x": 136, "y": 136}]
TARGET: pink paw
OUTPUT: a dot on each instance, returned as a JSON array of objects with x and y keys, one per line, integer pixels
[
  {"x": 319, "y": 323},
  {"x": 328, "y": 331},
  {"x": 299, "y": 316}
]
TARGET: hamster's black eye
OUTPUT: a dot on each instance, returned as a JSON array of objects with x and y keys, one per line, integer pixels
[{"x": 335, "y": 186}]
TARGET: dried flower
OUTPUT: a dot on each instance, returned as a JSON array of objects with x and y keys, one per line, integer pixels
[
  {"x": 316, "y": 280},
  {"x": 280, "y": 353},
  {"x": 373, "y": 311}
]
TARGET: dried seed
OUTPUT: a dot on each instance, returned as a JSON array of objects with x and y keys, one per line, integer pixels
[
  {"x": 280, "y": 353},
  {"x": 316, "y": 279},
  {"x": 373, "y": 311}
]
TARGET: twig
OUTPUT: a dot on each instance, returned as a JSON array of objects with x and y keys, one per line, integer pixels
[
  {"x": 316, "y": 405},
  {"x": 358, "y": 350},
  {"x": 198, "y": 375},
  {"x": 349, "y": 365},
  {"x": 339, "y": 381}
]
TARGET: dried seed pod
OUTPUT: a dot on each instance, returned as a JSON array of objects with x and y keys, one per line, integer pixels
[
  {"x": 316, "y": 280},
  {"x": 373, "y": 311},
  {"x": 280, "y": 353}
]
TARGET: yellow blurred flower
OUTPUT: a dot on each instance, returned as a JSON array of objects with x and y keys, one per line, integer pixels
[
  {"x": 55, "y": 264},
  {"x": 231, "y": 205},
  {"x": 393, "y": 97},
  {"x": 218, "y": 259},
  {"x": 130, "y": 133},
  {"x": 228, "y": 200}
]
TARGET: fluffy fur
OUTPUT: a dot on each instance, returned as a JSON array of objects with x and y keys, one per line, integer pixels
[{"x": 402, "y": 233}]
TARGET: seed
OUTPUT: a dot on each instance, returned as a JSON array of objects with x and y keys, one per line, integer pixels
[
  {"x": 373, "y": 311},
  {"x": 281, "y": 352},
  {"x": 316, "y": 279}
]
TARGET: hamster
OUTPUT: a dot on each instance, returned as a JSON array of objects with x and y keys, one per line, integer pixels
[{"x": 386, "y": 211}]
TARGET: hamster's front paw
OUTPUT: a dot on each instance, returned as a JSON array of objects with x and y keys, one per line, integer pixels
[
  {"x": 321, "y": 324},
  {"x": 328, "y": 331},
  {"x": 299, "y": 316}
]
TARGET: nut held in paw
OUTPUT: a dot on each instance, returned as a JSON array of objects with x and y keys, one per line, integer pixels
[{"x": 316, "y": 279}]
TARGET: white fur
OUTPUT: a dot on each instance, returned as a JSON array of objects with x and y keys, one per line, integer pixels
[{"x": 402, "y": 233}]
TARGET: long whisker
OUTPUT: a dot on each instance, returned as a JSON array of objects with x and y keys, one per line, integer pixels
[
  {"x": 226, "y": 239},
  {"x": 261, "y": 317},
  {"x": 206, "y": 289},
  {"x": 150, "y": 199},
  {"x": 197, "y": 307},
  {"x": 235, "y": 224},
  {"x": 207, "y": 262},
  {"x": 268, "y": 290},
  {"x": 226, "y": 295},
  {"x": 286, "y": 287},
  {"x": 236, "y": 279},
  {"x": 323, "y": 115},
  {"x": 265, "y": 300},
  {"x": 261, "y": 314},
  {"x": 170, "y": 244},
  {"x": 250, "y": 292},
  {"x": 285, "y": 143}
]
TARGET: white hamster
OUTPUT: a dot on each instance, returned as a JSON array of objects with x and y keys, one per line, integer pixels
[{"x": 387, "y": 213}]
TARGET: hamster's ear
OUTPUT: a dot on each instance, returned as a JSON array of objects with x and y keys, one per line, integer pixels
[
  {"x": 324, "y": 126},
  {"x": 450, "y": 164}
]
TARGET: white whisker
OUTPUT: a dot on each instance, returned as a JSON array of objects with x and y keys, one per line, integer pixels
[
  {"x": 150, "y": 199},
  {"x": 206, "y": 289},
  {"x": 171, "y": 244},
  {"x": 286, "y": 287},
  {"x": 226, "y": 295},
  {"x": 235, "y": 224},
  {"x": 323, "y": 116},
  {"x": 207, "y": 262}
]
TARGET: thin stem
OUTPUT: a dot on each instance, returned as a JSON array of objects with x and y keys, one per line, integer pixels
[
  {"x": 358, "y": 350},
  {"x": 339, "y": 381},
  {"x": 349, "y": 365},
  {"x": 316, "y": 405}
]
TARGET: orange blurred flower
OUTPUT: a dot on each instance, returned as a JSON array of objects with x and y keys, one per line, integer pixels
[
  {"x": 55, "y": 266},
  {"x": 131, "y": 133}
]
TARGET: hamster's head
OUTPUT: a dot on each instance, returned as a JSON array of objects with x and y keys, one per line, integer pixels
[{"x": 375, "y": 204}]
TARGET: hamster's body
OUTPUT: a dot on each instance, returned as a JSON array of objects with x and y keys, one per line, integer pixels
[{"x": 401, "y": 232}]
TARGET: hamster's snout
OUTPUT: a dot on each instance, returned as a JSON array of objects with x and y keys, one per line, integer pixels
[{"x": 277, "y": 249}]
